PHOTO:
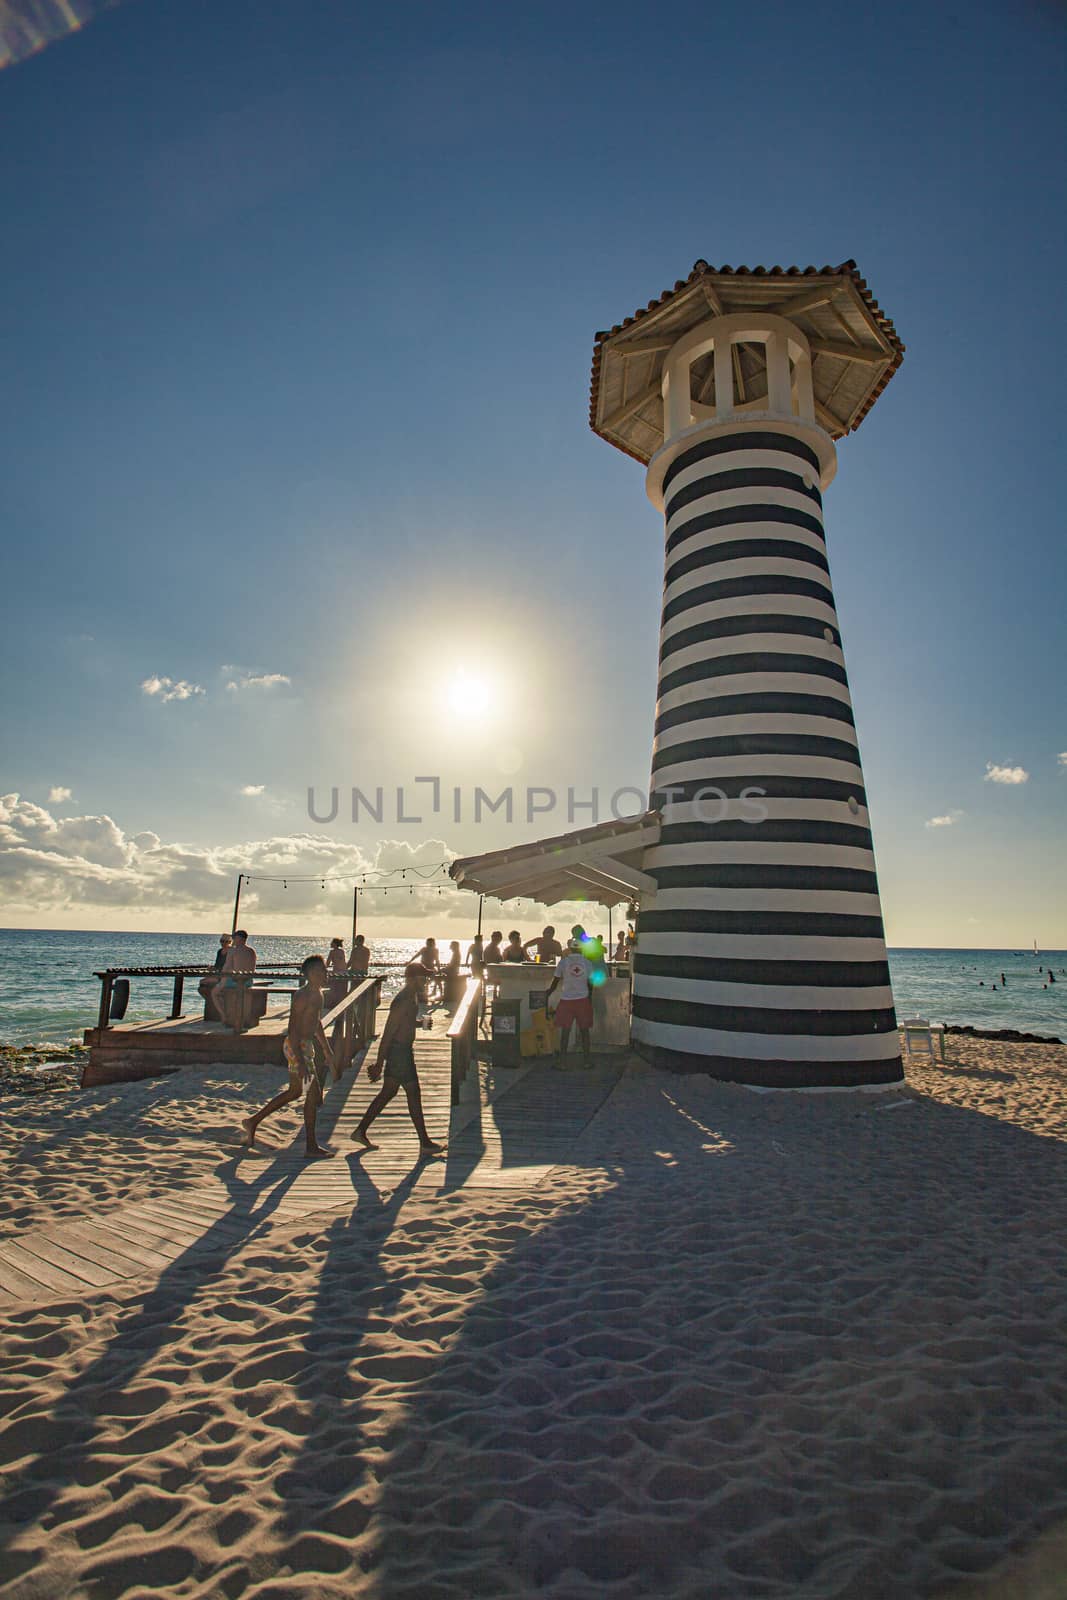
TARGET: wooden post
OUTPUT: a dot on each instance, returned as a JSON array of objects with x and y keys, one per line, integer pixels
[
  {"x": 481, "y": 902},
  {"x": 610, "y": 943},
  {"x": 349, "y": 1019},
  {"x": 105, "y": 1000},
  {"x": 237, "y": 903},
  {"x": 176, "y": 1002}
]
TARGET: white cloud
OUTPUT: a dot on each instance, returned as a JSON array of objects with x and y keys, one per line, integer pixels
[
  {"x": 995, "y": 774},
  {"x": 76, "y": 863},
  {"x": 949, "y": 820},
  {"x": 1062, "y": 758},
  {"x": 57, "y": 794},
  {"x": 238, "y": 679},
  {"x": 167, "y": 689},
  {"x": 252, "y": 788}
]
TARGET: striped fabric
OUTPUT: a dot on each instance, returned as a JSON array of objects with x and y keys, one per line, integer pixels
[{"x": 761, "y": 956}]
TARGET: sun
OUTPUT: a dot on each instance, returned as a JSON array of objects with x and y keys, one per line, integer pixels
[{"x": 467, "y": 697}]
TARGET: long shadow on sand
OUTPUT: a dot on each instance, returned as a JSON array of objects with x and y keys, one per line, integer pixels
[
  {"x": 66, "y": 1439},
  {"x": 356, "y": 1295},
  {"x": 790, "y": 1352},
  {"x": 804, "y": 1348}
]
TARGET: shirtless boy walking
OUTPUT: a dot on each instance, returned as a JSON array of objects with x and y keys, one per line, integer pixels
[
  {"x": 396, "y": 1055},
  {"x": 305, "y": 1028}
]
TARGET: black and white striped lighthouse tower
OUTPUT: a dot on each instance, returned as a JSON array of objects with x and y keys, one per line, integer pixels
[{"x": 761, "y": 953}]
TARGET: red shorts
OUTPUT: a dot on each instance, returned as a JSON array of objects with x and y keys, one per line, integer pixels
[{"x": 579, "y": 1011}]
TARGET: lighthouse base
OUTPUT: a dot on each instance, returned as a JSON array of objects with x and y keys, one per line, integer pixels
[{"x": 814, "y": 1075}]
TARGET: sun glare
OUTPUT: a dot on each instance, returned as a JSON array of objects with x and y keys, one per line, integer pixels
[{"x": 467, "y": 697}]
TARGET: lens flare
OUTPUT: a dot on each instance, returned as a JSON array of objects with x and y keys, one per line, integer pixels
[{"x": 33, "y": 25}]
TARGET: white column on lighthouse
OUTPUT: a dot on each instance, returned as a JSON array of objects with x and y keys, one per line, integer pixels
[{"x": 761, "y": 955}]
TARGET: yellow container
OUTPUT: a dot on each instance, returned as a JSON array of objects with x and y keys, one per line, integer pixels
[{"x": 540, "y": 1038}]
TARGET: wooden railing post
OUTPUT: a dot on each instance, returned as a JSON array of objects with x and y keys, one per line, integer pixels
[
  {"x": 176, "y": 1002},
  {"x": 353, "y": 1007},
  {"x": 463, "y": 1034},
  {"x": 104, "y": 1016}
]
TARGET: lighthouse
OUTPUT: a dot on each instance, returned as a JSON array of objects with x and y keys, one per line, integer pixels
[{"x": 761, "y": 952}]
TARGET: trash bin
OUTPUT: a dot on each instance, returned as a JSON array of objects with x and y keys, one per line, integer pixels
[{"x": 506, "y": 1047}]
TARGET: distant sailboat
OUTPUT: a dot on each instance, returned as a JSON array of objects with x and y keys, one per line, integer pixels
[{"x": 1037, "y": 952}]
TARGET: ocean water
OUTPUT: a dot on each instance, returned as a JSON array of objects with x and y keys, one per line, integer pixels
[{"x": 48, "y": 994}]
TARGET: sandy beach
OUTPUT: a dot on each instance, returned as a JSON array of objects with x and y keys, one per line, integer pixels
[{"x": 729, "y": 1344}]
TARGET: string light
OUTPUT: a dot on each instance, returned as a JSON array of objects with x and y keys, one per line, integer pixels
[{"x": 431, "y": 871}]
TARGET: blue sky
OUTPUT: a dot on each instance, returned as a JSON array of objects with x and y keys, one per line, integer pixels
[{"x": 297, "y": 322}]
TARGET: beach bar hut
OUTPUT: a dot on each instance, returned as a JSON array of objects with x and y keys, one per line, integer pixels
[{"x": 760, "y": 948}]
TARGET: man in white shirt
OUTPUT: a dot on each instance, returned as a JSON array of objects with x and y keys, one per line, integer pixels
[{"x": 575, "y": 1005}]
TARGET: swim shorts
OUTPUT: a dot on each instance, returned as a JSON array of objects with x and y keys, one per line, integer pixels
[
  {"x": 579, "y": 1011},
  {"x": 400, "y": 1066},
  {"x": 303, "y": 1067}
]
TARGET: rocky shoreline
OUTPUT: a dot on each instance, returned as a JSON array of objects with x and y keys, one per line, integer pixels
[
  {"x": 1009, "y": 1035},
  {"x": 30, "y": 1069}
]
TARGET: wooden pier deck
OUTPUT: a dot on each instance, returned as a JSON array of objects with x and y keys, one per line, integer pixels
[
  {"x": 126, "y": 1051},
  {"x": 511, "y": 1128}
]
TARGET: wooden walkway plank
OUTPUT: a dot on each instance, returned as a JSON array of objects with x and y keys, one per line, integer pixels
[
  {"x": 17, "y": 1285},
  {"x": 67, "y": 1259},
  {"x": 191, "y": 1213},
  {"x": 118, "y": 1231},
  {"x": 88, "y": 1242},
  {"x": 165, "y": 1228},
  {"x": 41, "y": 1272}
]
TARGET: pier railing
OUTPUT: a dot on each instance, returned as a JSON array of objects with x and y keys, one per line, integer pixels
[
  {"x": 353, "y": 1020},
  {"x": 273, "y": 971},
  {"x": 463, "y": 1034}
]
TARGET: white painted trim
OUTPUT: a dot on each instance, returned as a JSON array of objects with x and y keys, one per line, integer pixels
[
  {"x": 742, "y": 460},
  {"x": 828, "y": 902},
  {"x": 751, "y": 605},
  {"x": 761, "y": 996},
  {"x": 809, "y": 432},
  {"x": 797, "y": 1048},
  {"x": 756, "y": 852},
  {"x": 725, "y": 684},
  {"x": 711, "y": 768},
  {"x": 763, "y": 722},
  {"x": 753, "y": 644},
  {"x": 728, "y": 499},
  {"x": 739, "y": 567},
  {"x": 758, "y": 947}
]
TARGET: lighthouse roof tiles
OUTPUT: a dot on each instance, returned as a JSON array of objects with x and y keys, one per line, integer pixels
[{"x": 855, "y": 347}]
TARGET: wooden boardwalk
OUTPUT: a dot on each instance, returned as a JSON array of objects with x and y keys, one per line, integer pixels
[
  {"x": 509, "y": 1131},
  {"x": 125, "y": 1051}
]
